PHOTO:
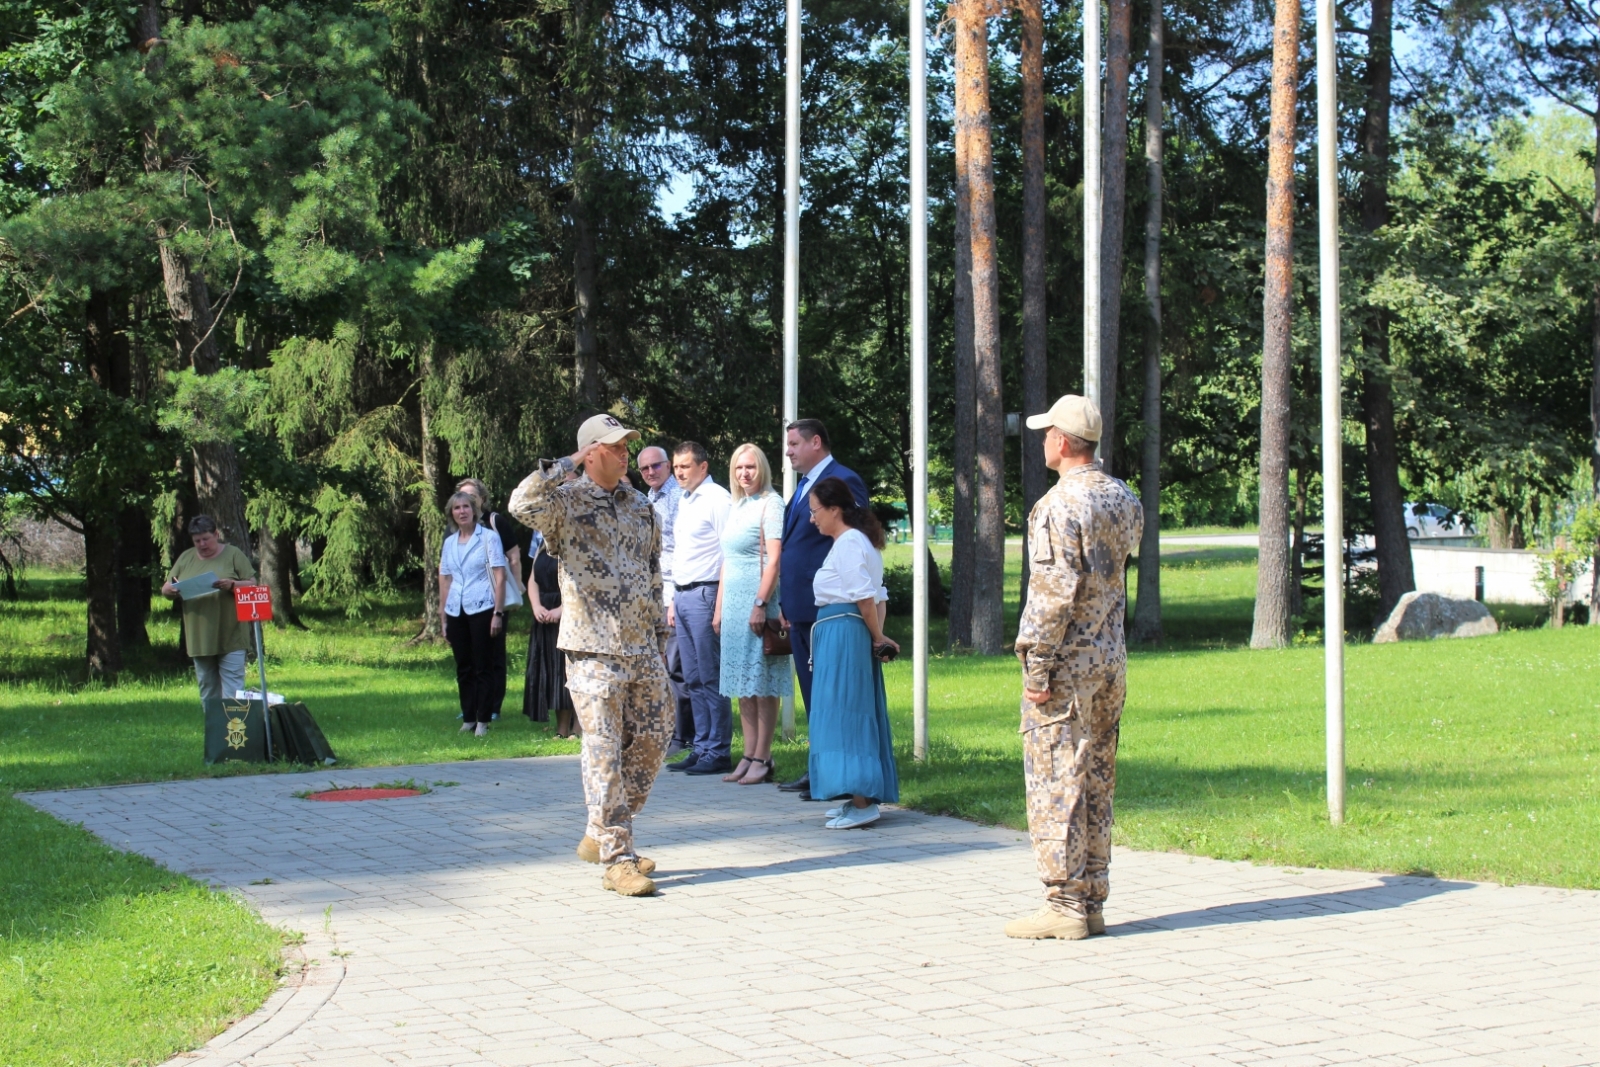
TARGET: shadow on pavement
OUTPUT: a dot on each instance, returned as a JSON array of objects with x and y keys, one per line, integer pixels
[{"x": 1394, "y": 891}]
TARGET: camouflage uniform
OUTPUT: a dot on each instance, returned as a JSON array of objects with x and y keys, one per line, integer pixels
[
  {"x": 1071, "y": 643},
  {"x": 613, "y": 630}
]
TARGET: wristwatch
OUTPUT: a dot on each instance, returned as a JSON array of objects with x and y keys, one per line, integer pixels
[{"x": 760, "y": 603}]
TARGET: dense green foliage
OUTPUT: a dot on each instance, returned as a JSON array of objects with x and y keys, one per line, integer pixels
[{"x": 389, "y": 205}]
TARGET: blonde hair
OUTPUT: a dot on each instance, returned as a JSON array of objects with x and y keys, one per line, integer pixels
[
  {"x": 472, "y": 485},
  {"x": 762, "y": 465},
  {"x": 450, "y": 507}
]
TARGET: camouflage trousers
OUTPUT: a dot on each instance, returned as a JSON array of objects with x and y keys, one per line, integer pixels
[
  {"x": 1069, "y": 762},
  {"x": 625, "y": 709}
]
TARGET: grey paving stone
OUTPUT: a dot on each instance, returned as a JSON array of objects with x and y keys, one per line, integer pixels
[{"x": 474, "y": 936}]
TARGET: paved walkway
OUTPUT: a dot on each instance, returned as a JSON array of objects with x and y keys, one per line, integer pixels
[{"x": 467, "y": 933}]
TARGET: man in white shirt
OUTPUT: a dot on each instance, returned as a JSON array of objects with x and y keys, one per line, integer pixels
[
  {"x": 655, "y": 467},
  {"x": 696, "y": 570}
]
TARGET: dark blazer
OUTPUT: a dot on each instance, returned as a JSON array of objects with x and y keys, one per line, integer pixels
[{"x": 805, "y": 547}]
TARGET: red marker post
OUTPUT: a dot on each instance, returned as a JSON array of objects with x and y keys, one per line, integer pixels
[{"x": 253, "y": 604}]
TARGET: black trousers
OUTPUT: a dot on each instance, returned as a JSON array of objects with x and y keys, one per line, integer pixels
[
  {"x": 497, "y": 668},
  {"x": 474, "y": 651}
]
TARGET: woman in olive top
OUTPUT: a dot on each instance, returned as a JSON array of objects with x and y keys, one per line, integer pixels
[{"x": 213, "y": 635}]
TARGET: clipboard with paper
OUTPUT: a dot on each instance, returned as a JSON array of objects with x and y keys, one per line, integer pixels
[{"x": 198, "y": 586}]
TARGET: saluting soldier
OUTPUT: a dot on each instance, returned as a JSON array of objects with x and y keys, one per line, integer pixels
[
  {"x": 1074, "y": 668},
  {"x": 613, "y": 631}
]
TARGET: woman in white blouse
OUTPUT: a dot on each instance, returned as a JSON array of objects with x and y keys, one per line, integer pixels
[
  {"x": 852, "y": 751},
  {"x": 472, "y": 598}
]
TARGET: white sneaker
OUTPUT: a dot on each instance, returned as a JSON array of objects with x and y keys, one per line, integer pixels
[
  {"x": 834, "y": 813},
  {"x": 855, "y": 817},
  {"x": 482, "y": 730}
]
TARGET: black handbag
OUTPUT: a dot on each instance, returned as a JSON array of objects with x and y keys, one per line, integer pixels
[{"x": 296, "y": 737}]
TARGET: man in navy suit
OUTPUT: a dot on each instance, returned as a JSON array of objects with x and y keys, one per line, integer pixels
[{"x": 805, "y": 547}]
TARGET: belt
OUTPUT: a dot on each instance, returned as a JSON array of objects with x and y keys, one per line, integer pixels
[
  {"x": 695, "y": 585},
  {"x": 811, "y": 660}
]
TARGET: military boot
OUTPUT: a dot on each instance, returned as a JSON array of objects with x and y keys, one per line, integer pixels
[
  {"x": 1097, "y": 922},
  {"x": 624, "y": 877},
  {"x": 1047, "y": 922},
  {"x": 589, "y": 852}
]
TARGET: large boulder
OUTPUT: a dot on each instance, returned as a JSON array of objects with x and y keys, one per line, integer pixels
[{"x": 1424, "y": 616}]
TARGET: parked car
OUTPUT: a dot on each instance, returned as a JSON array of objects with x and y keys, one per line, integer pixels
[{"x": 1435, "y": 520}]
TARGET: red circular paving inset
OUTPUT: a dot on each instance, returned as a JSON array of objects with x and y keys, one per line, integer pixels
[{"x": 363, "y": 794}]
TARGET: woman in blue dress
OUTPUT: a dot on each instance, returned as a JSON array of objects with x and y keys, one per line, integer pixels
[
  {"x": 852, "y": 750},
  {"x": 747, "y": 598}
]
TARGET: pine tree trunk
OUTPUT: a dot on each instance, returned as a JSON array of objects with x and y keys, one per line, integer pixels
[
  {"x": 1035, "y": 376},
  {"x": 972, "y": 115},
  {"x": 110, "y": 365},
  {"x": 433, "y": 494},
  {"x": 101, "y": 340},
  {"x": 216, "y": 464},
  {"x": 277, "y": 554},
  {"x": 1395, "y": 577},
  {"x": 1113, "y": 208},
  {"x": 965, "y": 444},
  {"x": 1272, "y": 614},
  {"x": 135, "y": 559},
  {"x": 586, "y": 349},
  {"x": 1147, "y": 609},
  {"x": 100, "y": 585}
]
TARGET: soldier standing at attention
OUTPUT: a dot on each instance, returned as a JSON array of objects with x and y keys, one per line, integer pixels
[
  {"x": 1074, "y": 668},
  {"x": 613, "y": 632}
]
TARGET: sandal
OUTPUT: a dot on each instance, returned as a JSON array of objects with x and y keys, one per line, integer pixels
[
  {"x": 741, "y": 770},
  {"x": 766, "y": 776}
]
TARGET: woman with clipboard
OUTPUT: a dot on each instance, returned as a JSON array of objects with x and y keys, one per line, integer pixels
[{"x": 202, "y": 578}]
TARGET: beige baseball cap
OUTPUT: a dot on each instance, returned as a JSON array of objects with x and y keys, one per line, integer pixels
[
  {"x": 604, "y": 429},
  {"x": 1072, "y": 414}
]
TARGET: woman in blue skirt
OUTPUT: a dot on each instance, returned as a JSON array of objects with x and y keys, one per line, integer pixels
[{"x": 852, "y": 752}]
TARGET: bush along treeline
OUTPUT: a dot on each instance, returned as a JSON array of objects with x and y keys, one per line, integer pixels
[{"x": 301, "y": 266}]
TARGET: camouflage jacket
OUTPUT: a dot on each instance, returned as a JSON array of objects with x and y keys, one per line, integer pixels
[
  {"x": 1080, "y": 535},
  {"x": 608, "y": 546}
]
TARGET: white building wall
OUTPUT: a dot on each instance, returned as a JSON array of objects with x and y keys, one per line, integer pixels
[{"x": 1508, "y": 574}]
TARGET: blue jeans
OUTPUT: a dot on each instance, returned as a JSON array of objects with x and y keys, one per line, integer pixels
[{"x": 700, "y": 650}]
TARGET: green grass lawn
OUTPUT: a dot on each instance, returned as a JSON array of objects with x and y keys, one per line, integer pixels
[{"x": 1471, "y": 759}]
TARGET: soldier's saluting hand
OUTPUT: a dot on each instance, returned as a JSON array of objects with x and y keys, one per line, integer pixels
[{"x": 1074, "y": 667}]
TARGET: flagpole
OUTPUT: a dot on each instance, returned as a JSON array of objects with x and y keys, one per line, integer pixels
[
  {"x": 791, "y": 264},
  {"x": 1091, "y": 202},
  {"x": 1332, "y": 413},
  {"x": 919, "y": 379}
]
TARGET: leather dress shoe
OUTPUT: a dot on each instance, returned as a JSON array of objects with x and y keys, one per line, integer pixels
[
  {"x": 683, "y": 764},
  {"x": 801, "y": 784},
  {"x": 717, "y": 765}
]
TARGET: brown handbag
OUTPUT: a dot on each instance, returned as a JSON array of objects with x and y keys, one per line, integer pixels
[{"x": 774, "y": 638}]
